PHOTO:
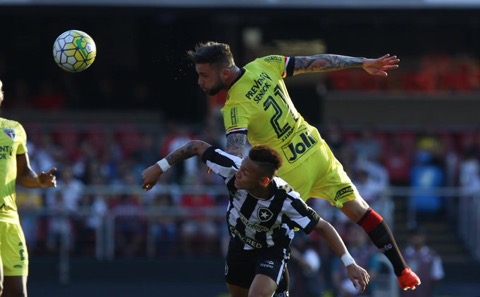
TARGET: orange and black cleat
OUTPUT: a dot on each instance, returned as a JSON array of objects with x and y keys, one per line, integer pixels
[{"x": 408, "y": 279}]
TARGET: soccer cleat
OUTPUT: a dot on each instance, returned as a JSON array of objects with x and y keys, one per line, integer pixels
[{"x": 408, "y": 279}]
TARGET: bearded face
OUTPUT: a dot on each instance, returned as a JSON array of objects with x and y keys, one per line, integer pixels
[{"x": 210, "y": 79}]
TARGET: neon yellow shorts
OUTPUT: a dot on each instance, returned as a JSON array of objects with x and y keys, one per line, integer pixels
[
  {"x": 322, "y": 176},
  {"x": 13, "y": 250}
]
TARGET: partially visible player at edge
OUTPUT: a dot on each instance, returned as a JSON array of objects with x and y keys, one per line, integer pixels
[
  {"x": 258, "y": 108},
  {"x": 262, "y": 213},
  {"x": 15, "y": 168}
]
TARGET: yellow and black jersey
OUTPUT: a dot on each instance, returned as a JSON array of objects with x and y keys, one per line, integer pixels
[
  {"x": 258, "y": 102},
  {"x": 13, "y": 142}
]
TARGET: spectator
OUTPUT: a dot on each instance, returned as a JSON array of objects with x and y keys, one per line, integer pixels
[
  {"x": 147, "y": 153},
  {"x": 178, "y": 135},
  {"x": 60, "y": 231},
  {"x": 469, "y": 173},
  {"x": 46, "y": 151},
  {"x": 92, "y": 209},
  {"x": 129, "y": 224},
  {"x": 426, "y": 177},
  {"x": 129, "y": 219},
  {"x": 397, "y": 159},
  {"x": 371, "y": 180},
  {"x": 163, "y": 223},
  {"x": 198, "y": 226},
  {"x": 367, "y": 146},
  {"x": 429, "y": 140},
  {"x": 426, "y": 262},
  {"x": 71, "y": 188},
  {"x": 305, "y": 277}
]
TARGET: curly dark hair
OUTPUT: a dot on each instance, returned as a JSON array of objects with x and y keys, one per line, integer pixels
[{"x": 212, "y": 52}]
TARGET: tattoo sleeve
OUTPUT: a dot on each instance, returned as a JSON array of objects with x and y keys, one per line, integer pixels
[
  {"x": 325, "y": 63},
  {"x": 236, "y": 143},
  {"x": 193, "y": 148}
]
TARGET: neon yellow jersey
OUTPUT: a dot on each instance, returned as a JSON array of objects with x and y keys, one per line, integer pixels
[
  {"x": 258, "y": 102},
  {"x": 13, "y": 142}
]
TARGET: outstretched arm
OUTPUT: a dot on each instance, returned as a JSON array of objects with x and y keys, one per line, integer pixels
[
  {"x": 330, "y": 62},
  {"x": 357, "y": 274},
  {"x": 29, "y": 178},
  {"x": 151, "y": 175}
]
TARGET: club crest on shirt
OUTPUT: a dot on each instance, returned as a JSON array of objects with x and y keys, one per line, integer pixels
[
  {"x": 9, "y": 132},
  {"x": 264, "y": 214}
]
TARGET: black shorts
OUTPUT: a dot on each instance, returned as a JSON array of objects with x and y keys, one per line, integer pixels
[{"x": 242, "y": 266}]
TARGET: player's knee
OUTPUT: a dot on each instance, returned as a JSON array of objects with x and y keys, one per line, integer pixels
[
  {"x": 260, "y": 293},
  {"x": 259, "y": 289},
  {"x": 355, "y": 209}
]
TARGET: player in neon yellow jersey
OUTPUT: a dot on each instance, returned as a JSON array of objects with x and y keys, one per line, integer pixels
[
  {"x": 258, "y": 108},
  {"x": 15, "y": 169}
]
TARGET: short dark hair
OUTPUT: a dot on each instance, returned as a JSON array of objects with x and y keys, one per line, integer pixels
[
  {"x": 267, "y": 158},
  {"x": 212, "y": 52}
]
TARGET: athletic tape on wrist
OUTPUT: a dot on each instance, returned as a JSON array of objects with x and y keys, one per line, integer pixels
[
  {"x": 347, "y": 259},
  {"x": 164, "y": 165}
]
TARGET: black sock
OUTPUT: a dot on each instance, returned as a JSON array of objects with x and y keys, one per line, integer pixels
[{"x": 382, "y": 237}]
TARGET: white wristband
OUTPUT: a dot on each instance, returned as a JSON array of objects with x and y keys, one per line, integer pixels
[
  {"x": 164, "y": 165},
  {"x": 347, "y": 259}
]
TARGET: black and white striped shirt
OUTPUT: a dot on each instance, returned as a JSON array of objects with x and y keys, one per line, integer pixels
[{"x": 256, "y": 222}]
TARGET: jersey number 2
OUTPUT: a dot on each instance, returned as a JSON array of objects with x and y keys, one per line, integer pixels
[{"x": 274, "y": 121}]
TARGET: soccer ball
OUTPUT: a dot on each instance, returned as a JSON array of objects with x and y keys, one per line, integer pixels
[{"x": 74, "y": 51}]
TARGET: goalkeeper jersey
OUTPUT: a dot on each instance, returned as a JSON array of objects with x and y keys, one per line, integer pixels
[
  {"x": 258, "y": 102},
  {"x": 13, "y": 142}
]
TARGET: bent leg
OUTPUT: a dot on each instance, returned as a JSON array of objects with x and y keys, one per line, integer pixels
[
  {"x": 355, "y": 209},
  {"x": 377, "y": 229}
]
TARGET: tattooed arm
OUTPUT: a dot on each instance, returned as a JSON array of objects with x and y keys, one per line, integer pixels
[
  {"x": 329, "y": 62},
  {"x": 151, "y": 175},
  {"x": 236, "y": 143},
  {"x": 192, "y": 148}
]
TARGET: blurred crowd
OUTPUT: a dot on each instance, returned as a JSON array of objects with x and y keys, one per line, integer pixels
[{"x": 92, "y": 159}]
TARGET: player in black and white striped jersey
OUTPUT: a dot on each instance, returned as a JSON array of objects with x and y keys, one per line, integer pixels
[{"x": 262, "y": 214}]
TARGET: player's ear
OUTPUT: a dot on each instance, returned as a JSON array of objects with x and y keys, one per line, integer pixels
[
  {"x": 226, "y": 72},
  {"x": 264, "y": 181}
]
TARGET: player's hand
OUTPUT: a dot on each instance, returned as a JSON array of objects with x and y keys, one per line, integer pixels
[
  {"x": 358, "y": 276},
  {"x": 47, "y": 179},
  {"x": 381, "y": 65},
  {"x": 150, "y": 176}
]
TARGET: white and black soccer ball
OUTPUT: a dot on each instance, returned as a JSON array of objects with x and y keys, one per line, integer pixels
[{"x": 74, "y": 50}]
